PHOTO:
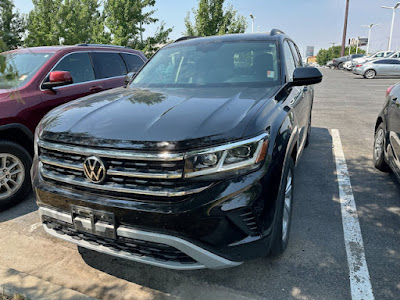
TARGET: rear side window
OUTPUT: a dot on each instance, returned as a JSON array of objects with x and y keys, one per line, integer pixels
[
  {"x": 78, "y": 65},
  {"x": 290, "y": 63},
  {"x": 387, "y": 62},
  {"x": 109, "y": 64},
  {"x": 133, "y": 62}
]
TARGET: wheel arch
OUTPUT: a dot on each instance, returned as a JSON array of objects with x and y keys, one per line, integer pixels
[{"x": 19, "y": 134}]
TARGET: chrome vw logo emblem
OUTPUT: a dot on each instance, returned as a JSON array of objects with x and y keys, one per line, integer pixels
[{"x": 94, "y": 169}]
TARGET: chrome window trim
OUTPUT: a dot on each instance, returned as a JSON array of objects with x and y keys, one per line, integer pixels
[{"x": 90, "y": 81}]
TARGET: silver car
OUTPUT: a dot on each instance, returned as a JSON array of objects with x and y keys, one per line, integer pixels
[{"x": 379, "y": 67}]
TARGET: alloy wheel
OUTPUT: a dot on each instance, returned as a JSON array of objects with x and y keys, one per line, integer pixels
[
  {"x": 287, "y": 205},
  {"x": 12, "y": 175},
  {"x": 378, "y": 147},
  {"x": 370, "y": 74}
]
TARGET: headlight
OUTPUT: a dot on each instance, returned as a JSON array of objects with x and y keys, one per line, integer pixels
[{"x": 240, "y": 157}]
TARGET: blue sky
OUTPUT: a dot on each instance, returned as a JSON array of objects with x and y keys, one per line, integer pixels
[{"x": 309, "y": 22}]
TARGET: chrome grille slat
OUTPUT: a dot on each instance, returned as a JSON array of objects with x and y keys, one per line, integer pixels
[
  {"x": 109, "y": 153},
  {"x": 114, "y": 187},
  {"x": 128, "y": 173}
]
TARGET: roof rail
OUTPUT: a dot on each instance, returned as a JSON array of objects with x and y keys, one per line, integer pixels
[
  {"x": 276, "y": 31},
  {"x": 102, "y": 45},
  {"x": 184, "y": 38}
]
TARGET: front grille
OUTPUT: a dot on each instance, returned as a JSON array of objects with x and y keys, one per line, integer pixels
[
  {"x": 129, "y": 174},
  {"x": 160, "y": 252}
]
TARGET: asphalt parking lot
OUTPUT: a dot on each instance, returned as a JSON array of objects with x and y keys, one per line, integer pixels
[{"x": 315, "y": 265}]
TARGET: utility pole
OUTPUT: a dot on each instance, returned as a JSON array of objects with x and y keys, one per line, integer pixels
[
  {"x": 345, "y": 28},
  {"x": 391, "y": 28}
]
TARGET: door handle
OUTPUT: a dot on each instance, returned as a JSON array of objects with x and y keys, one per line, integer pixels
[{"x": 95, "y": 89}]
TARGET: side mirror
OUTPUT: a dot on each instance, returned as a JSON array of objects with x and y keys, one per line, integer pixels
[
  {"x": 129, "y": 77},
  {"x": 57, "y": 78},
  {"x": 306, "y": 76}
]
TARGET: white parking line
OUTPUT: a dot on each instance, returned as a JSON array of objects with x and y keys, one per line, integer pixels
[{"x": 360, "y": 283}]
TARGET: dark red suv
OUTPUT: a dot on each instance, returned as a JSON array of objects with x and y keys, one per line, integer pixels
[{"x": 35, "y": 80}]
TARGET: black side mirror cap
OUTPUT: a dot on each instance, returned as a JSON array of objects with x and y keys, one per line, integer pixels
[
  {"x": 306, "y": 76},
  {"x": 129, "y": 77}
]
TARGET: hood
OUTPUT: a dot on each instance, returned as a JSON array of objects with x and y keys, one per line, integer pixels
[
  {"x": 4, "y": 94},
  {"x": 140, "y": 118}
]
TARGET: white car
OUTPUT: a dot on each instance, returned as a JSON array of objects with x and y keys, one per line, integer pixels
[{"x": 380, "y": 54}]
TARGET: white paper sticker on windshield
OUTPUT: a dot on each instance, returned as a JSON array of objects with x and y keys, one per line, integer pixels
[
  {"x": 270, "y": 74},
  {"x": 23, "y": 77}
]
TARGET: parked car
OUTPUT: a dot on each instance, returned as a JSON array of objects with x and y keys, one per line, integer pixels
[
  {"x": 379, "y": 67},
  {"x": 35, "y": 80},
  {"x": 386, "y": 151},
  {"x": 377, "y": 55},
  {"x": 329, "y": 64},
  {"x": 339, "y": 62},
  {"x": 348, "y": 65},
  {"x": 191, "y": 165}
]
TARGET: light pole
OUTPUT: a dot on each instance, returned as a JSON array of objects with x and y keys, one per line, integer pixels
[
  {"x": 252, "y": 22},
  {"x": 391, "y": 29},
  {"x": 346, "y": 16},
  {"x": 369, "y": 33}
]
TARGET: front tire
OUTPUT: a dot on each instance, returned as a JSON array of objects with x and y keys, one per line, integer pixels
[
  {"x": 15, "y": 181},
  {"x": 284, "y": 210},
  {"x": 340, "y": 66},
  {"x": 379, "y": 147},
  {"x": 370, "y": 74}
]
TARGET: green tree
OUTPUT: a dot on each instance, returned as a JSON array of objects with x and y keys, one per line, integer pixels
[
  {"x": 212, "y": 18},
  {"x": 69, "y": 22},
  {"x": 43, "y": 29},
  {"x": 12, "y": 26},
  {"x": 325, "y": 55},
  {"x": 80, "y": 21},
  {"x": 127, "y": 19}
]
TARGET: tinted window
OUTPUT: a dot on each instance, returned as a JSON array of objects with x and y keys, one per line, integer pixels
[
  {"x": 109, "y": 64},
  {"x": 290, "y": 64},
  {"x": 248, "y": 63},
  {"x": 133, "y": 62},
  {"x": 387, "y": 62},
  {"x": 380, "y": 54},
  {"x": 78, "y": 65}
]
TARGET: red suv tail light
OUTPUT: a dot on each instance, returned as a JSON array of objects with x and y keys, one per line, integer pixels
[
  {"x": 334, "y": 60},
  {"x": 357, "y": 66},
  {"x": 389, "y": 89}
]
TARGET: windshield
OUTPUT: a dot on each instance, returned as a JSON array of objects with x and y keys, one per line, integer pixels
[
  {"x": 16, "y": 69},
  {"x": 248, "y": 64}
]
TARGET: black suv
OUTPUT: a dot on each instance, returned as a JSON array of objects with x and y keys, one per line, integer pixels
[
  {"x": 387, "y": 133},
  {"x": 191, "y": 165}
]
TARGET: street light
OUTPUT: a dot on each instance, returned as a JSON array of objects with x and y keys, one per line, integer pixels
[
  {"x": 369, "y": 33},
  {"x": 252, "y": 22},
  {"x": 391, "y": 30}
]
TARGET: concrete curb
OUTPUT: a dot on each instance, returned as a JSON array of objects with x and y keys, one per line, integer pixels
[{"x": 34, "y": 288}]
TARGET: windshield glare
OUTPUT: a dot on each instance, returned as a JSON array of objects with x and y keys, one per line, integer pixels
[
  {"x": 250, "y": 63},
  {"x": 16, "y": 69}
]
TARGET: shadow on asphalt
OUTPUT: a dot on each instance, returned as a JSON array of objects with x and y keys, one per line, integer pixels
[
  {"x": 303, "y": 271},
  {"x": 24, "y": 207}
]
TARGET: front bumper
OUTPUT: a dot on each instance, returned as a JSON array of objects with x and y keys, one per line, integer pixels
[
  {"x": 201, "y": 257},
  {"x": 220, "y": 227}
]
